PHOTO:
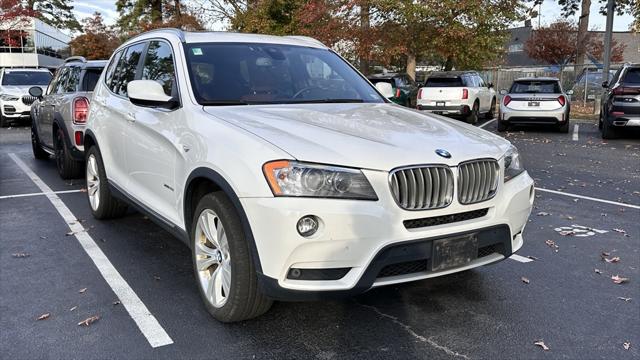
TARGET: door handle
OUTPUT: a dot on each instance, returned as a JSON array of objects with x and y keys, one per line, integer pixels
[{"x": 130, "y": 117}]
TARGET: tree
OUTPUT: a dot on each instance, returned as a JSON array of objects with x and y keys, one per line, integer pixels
[
  {"x": 12, "y": 11},
  {"x": 556, "y": 44},
  {"x": 57, "y": 13},
  {"x": 98, "y": 40},
  {"x": 141, "y": 15}
]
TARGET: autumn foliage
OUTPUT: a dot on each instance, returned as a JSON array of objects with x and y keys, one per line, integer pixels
[{"x": 98, "y": 41}]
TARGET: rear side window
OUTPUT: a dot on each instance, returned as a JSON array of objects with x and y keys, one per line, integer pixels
[
  {"x": 73, "y": 79},
  {"x": 111, "y": 68},
  {"x": 127, "y": 68},
  {"x": 61, "y": 83},
  {"x": 90, "y": 79},
  {"x": 158, "y": 66},
  {"x": 444, "y": 82},
  {"x": 535, "y": 87},
  {"x": 632, "y": 76}
]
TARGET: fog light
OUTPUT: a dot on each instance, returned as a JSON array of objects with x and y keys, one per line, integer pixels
[{"x": 308, "y": 225}]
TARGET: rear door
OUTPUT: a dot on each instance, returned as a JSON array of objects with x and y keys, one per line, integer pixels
[
  {"x": 484, "y": 94},
  {"x": 152, "y": 140}
]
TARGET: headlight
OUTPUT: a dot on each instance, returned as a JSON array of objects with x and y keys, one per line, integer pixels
[
  {"x": 512, "y": 164},
  {"x": 9, "y": 97},
  {"x": 292, "y": 178}
]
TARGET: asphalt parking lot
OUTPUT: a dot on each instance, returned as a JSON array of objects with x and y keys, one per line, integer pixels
[{"x": 583, "y": 231}]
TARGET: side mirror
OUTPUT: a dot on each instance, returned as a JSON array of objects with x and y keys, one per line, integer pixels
[
  {"x": 503, "y": 92},
  {"x": 385, "y": 89},
  {"x": 490, "y": 85},
  {"x": 605, "y": 84},
  {"x": 569, "y": 92},
  {"x": 148, "y": 93},
  {"x": 35, "y": 91}
]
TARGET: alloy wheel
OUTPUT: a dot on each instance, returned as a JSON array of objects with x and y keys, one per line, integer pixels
[
  {"x": 93, "y": 182},
  {"x": 213, "y": 260}
]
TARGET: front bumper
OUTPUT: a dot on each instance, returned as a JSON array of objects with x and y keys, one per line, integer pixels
[
  {"x": 15, "y": 109},
  {"x": 355, "y": 235},
  {"x": 533, "y": 116}
]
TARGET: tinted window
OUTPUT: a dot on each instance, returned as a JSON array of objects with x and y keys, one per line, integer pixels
[
  {"x": 90, "y": 79},
  {"x": 26, "y": 78},
  {"x": 632, "y": 76},
  {"x": 266, "y": 73},
  {"x": 73, "y": 79},
  {"x": 444, "y": 82},
  {"x": 401, "y": 81},
  {"x": 127, "y": 67},
  {"x": 480, "y": 81},
  {"x": 62, "y": 81},
  {"x": 535, "y": 87},
  {"x": 158, "y": 66},
  {"x": 54, "y": 82},
  {"x": 111, "y": 69}
]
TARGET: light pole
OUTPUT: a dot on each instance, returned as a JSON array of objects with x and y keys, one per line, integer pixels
[{"x": 607, "y": 40}]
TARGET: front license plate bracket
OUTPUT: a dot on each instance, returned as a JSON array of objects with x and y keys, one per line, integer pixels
[{"x": 454, "y": 252}]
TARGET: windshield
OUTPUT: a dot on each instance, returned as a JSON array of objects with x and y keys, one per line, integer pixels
[
  {"x": 242, "y": 74},
  {"x": 26, "y": 78},
  {"x": 535, "y": 87},
  {"x": 444, "y": 82},
  {"x": 632, "y": 76}
]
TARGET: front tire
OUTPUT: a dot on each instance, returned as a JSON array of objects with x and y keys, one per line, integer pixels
[
  {"x": 68, "y": 167},
  {"x": 225, "y": 273},
  {"x": 102, "y": 203},
  {"x": 472, "y": 118}
]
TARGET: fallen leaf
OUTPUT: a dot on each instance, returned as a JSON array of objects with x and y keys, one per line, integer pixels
[
  {"x": 83, "y": 190},
  {"x": 20, "y": 255},
  {"x": 612, "y": 260},
  {"x": 566, "y": 232},
  {"x": 542, "y": 345},
  {"x": 81, "y": 291},
  {"x": 552, "y": 244},
  {"x": 43, "y": 316},
  {"x": 619, "y": 280},
  {"x": 605, "y": 254},
  {"x": 624, "y": 298},
  {"x": 542, "y": 213},
  {"x": 597, "y": 271},
  {"x": 157, "y": 278},
  {"x": 117, "y": 302},
  {"x": 626, "y": 345},
  {"x": 70, "y": 233},
  {"x": 622, "y": 231},
  {"x": 88, "y": 321},
  {"x": 73, "y": 308},
  {"x": 43, "y": 237},
  {"x": 525, "y": 280}
]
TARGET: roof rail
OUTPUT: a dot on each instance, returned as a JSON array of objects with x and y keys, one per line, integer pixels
[
  {"x": 177, "y": 32},
  {"x": 75, "y": 58}
]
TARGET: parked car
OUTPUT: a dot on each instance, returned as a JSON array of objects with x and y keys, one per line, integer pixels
[
  {"x": 293, "y": 183},
  {"x": 59, "y": 115},
  {"x": 535, "y": 101},
  {"x": 404, "y": 88},
  {"x": 458, "y": 93},
  {"x": 620, "y": 105},
  {"x": 589, "y": 81},
  {"x": 15, "y": 101}
]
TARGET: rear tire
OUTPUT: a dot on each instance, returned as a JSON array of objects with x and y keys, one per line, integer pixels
[
  {"x": 502, "y": 126},
  {"x": 102, "y": 203},
  {"x": 492, "y": 110},
  {"x": 38, "y": 153},
  {"x": 608, "y": 132},
  {"x": 68, "y": 167},
  {"x": 564, "y": 128},
  {"x": 472, "y": 118},
  {"x": 224, "y": 269}
]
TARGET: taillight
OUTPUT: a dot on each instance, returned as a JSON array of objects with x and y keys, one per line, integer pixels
[
  {"x": 561, "y": 100},
  {"x": 506, "y": 100},
  {"x": 397, "y": 93},
  {"x": 621, "y": 90},
  {"x": 465, "y": 94},
  {"x": 80, "y": 110},
  {"x": 420, "y": 94}
]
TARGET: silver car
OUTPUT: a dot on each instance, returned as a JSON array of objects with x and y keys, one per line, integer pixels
[
  {"x": 59, "y": 116},
  {"x": 535, "y": 101}
]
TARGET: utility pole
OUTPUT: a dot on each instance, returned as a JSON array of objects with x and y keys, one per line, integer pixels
[{"x": 607, "y": 40}]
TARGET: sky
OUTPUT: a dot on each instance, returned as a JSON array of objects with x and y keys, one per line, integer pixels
[{"x": 550, "y": 11}]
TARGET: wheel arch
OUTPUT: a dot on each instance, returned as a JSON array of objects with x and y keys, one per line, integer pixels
[{"x": 204, "y": 180}]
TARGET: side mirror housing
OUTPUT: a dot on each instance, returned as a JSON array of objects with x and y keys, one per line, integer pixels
[
  {"x": 36, "y": 91},
  {"x": 503, "y": 92},
  {"x": 569, "y": 92},
  {"x": 605, "y": 84},
  {"x": 385, "y": 89},
  {"x": 148, "y": 93}
]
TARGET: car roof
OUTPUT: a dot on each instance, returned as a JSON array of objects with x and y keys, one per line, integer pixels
[
  {"x": 548, "y": 78},
  {"x": 25, "y": 69},
  {"x": 451, "y": 73},
  {"x": 385, "y": 76},
  {"x": 228, "y": 37}
]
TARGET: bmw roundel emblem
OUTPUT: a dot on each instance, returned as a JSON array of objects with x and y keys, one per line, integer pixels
[{"x": 443, "y": 153}]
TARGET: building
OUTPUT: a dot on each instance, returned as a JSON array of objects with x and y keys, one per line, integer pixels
[
  {"x": 517, "y": 56},
  {"x": 29, "y": 42}
]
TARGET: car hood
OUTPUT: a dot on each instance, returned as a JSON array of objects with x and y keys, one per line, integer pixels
[
  {"x": 16, "y": 89},
  {"x": 370, "y": 136}
]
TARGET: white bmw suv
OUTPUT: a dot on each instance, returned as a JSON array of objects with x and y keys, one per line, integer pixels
[{"x": 289, "y": 175}]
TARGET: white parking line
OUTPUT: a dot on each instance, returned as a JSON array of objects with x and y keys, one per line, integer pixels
[
  {"x": 519, "y": 258},
  {"x": 487, "y": 123},
  {"x": 40, "y": 193},
  {"x": 147, "y": 323},
  {"x": 589, "y": 198},
  {"x": 575, "y": 132}
]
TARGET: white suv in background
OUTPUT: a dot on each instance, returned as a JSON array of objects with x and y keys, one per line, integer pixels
[
  {"x": 458, "y": 93},
  {"x": 287, "y": 173},
  {"x": 15, "y": 101}
]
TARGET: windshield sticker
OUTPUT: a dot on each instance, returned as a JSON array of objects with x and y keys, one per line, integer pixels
[{"x": 197, "y": 51}]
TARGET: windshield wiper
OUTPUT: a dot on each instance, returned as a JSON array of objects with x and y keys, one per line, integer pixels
[{"x": 323, "y": 101}]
